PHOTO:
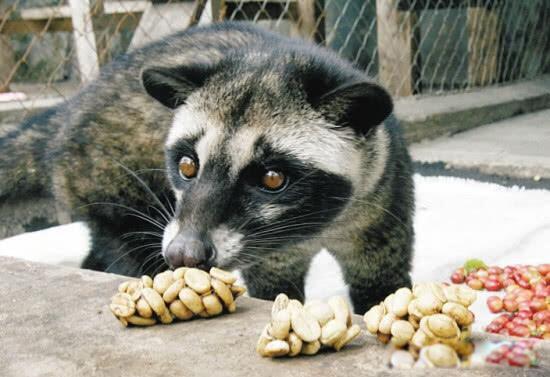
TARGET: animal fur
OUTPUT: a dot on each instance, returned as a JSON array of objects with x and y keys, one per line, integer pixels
[{"x": 238, "y": 98}]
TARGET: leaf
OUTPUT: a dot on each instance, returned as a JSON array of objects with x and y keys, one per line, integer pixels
[{"x": 474, "y": 265}]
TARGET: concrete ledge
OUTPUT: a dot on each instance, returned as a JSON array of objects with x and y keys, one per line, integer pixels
[
  {"x": 16, "y": 111},
  {"x": 39, "y": 98},
  {"x": 434, "y": 116},
  {"x": 55, "y": 321},
  {"x": 517, "y": 147}
]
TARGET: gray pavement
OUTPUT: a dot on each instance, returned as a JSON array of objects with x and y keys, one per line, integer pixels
[{"x": 517, "y": 148}]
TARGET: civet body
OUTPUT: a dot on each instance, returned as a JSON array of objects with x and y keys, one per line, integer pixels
[{"x": 288, "y": 150}]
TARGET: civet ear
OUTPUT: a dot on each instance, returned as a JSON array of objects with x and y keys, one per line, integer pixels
[
  {"x": 172, "y": 85},
  {"x": 360, "y": 105}
]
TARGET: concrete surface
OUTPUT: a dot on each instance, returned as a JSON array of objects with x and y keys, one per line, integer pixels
[
  {"x": 40, "y": 97},
  {"x": 517, "y": 147},
  {"x": 54, "y": 321},
  {"x": 432, "y": 116}
]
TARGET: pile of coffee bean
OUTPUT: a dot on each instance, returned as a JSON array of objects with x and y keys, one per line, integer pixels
[
  {"x": 297, "y": 329},
  {"x": 432, "y": 322},
  {"x": 515, "y": 354},
  {"x": 180, "y": 294},
  {"x": 526, "y": 300}
]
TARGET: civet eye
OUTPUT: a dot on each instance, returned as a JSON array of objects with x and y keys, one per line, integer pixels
[
  {"x": 188, "y": 168},
  {"x": 273, "y": 181}
]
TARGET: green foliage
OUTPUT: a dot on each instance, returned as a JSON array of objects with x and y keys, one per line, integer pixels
[{"x": 474, "y": 265}]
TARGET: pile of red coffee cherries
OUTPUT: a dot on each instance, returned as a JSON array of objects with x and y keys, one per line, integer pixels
[
  {"x": 517, "y": 354},
  {"x": 527, "y": 298}
]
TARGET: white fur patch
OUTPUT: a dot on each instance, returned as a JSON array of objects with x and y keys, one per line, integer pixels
[
  {"x": 373, "y": 175},
  {"x": 325, "y": 278},
  {"x": 208, "y": 145},
  {"x": 272, "y": 211},
  {"x": 170, "y": 232},
  {"x": 227, "y": 244},
  {"x": 187, "y": 123},
  {"x": 241, "y": 148},
  {"x": 317, "y": 144}
]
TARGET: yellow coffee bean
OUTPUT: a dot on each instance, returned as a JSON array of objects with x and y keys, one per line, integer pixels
[
  {"x": 264, "y": 339},
  {"x": 294, "y": 304},
  {"x": 212, "y": 305},
  {"x": 179, "y": 273},
  {"x": 191, "y": 300},
  {"x": 166, "y": 317},
  {"x": 439, "y": 355},
  {"x": 384, "y": 338},
  {"x": 198, "y": 280},
  {"x": 147, "y": 281},
  {"x": 373, "y": 317},
  {"x": 332, "y": 332},
  {"x": 276, "y": 348},
  {"x": 280, "y": 303},
  {"x": 223, "y": 291},
  {"x": 173, "y": 290},
  {"x": 162, "y": 281},
  {"x": 402, "y": 329},
  {"x": 414, "y": 321},
  {"x": 400, "y": 302},
  {"x": 225, "y": 276},
  {"x": 154, "y": 300},
  {"x": 237, "y": 290},
  {"x": 466, "y": 332},
  {"x": 143, "y": 308},
  {"x": 180, "y": 310},
  {"x": 435, "y": 289},
  {"x": 304, "y": 324},
  {"x": 311, "y": 348},
  {"x": 440, "y": 326},
  {"x": 421, "y": 339},
  {"x": 463, "y": 295},
  {"x": 464, "y": 348},
  {"x": 280, "y": 324},
  {"x": 413, "y": 309},
  {"x": 295, "y": 344},
  {"x": 232, "y": 308},
  {"x": 122, "y": 305},
  {"x": 139, "y": 321},
  {"x": 401, "y": 359},
  {"x": 399, "y": 342},
  {"x": 123, "y": 321},
  {"x": 428, "y": 304},
  {"x": 351, "y": 333},
  {"x": 386, "y": 322},
  {"x": 459, "y": 313},
  {"x": 320, "y": 310},
  {"x": 134, "y": 289},
  {"x": 388, "y": 302},
  {"x": 341, "y": 309},
  {"x": 123, "y": 286},
  {"x": 204, "y": 314}
]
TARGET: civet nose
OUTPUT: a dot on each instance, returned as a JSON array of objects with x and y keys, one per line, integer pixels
[{"x": 189, "y": 250}]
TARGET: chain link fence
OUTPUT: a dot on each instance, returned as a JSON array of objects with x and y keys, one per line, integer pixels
[{"x": 50, "y": 48}]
